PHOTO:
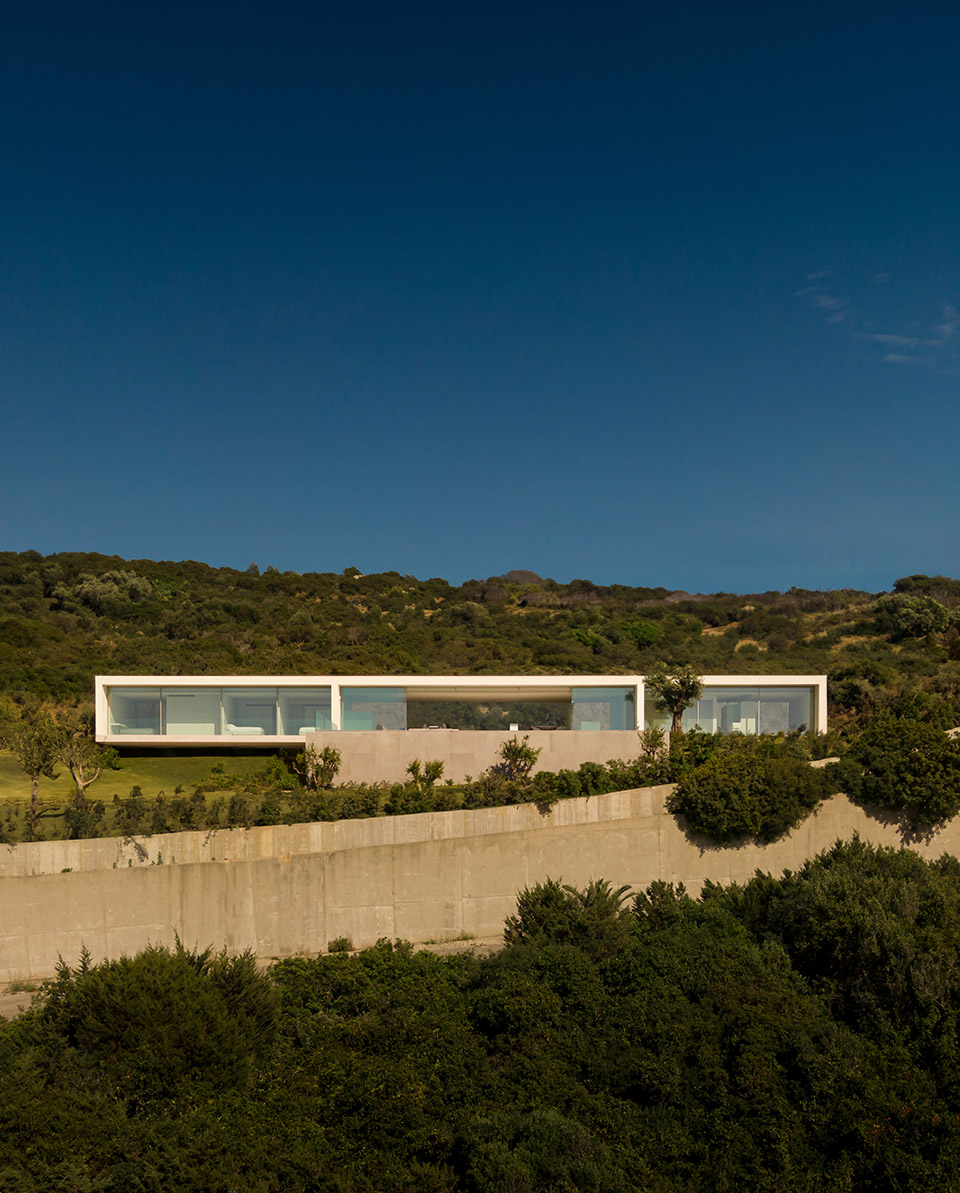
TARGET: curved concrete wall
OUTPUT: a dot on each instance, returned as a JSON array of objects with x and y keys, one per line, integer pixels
[{"x": 437, "y": 876}]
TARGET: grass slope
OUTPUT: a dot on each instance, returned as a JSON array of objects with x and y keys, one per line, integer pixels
[{"x": 152, "y": 773}]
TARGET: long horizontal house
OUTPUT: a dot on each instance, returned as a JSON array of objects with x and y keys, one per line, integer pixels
[{"x": 379, "y": 722}]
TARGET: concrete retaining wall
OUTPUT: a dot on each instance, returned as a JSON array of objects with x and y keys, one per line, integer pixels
[
  {"x": 288, "y": 889},
  {"x": 382, "y": 755}
]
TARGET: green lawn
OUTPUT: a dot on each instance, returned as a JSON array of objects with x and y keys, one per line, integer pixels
[{"x": 152, "y": 773}]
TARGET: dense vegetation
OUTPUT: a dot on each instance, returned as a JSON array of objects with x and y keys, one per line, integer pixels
[
  {"x": 891, "y": 660},
  {"x": 66, "y": 617},
  {"x": 793, "y": 1034}
]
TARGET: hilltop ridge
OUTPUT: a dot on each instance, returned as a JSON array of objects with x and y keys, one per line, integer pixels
[{"x": 67, "y": 616}]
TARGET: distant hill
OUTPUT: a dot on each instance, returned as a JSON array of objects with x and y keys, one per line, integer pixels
[{"x": 65, "y": 617}]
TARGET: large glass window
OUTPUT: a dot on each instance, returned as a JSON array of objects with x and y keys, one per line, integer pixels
[
  {"x": 741, "y": 710},
  {"x": 134, "y": 710},
  {"x": 784, "y": 709},
  {"x": 191, "y": 712},
  {"x": 250, "y": 712},
  {"x": 736, "y": 709},
  {"x": 212, "y": 712},
  {"x": 302, "y": 710},
  {"x": 487, "y": 714},
  {"x": 374, "y": 708},
  {"x": 603, "y": 708}
]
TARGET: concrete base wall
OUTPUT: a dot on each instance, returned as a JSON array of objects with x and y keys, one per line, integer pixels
[
  {"x": 290, "y": 889},
  {"x": 382, "y": 755}
]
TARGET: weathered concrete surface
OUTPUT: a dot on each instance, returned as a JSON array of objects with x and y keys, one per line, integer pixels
[
  {"x": 11, "y": 1005},
  {"x": 437, "y": 876},
  {"x": 382, "y": 755}
]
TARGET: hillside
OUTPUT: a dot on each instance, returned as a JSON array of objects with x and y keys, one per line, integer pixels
[{"x": 66, "y": 617}]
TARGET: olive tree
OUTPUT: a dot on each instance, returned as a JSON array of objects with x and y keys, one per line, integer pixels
[
  {"x": 674, "y": 690},
  {"x": 80, "y": 753}
]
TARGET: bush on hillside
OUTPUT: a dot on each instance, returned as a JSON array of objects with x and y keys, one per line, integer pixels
[
  {"x": 909, "y": 765},
  {"x": 162, "y": 1022},
  {"x": 594, "y": 919},
  {"x": 747, "y": 794},
  {"x": 903, "y": 615}
]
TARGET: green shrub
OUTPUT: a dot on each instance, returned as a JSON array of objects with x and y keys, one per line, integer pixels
[
  {"x": 747, "y": 794},
  {"x": 909, "y": 765},
  {"x": 160, "y": 1023},
  {"x": 317, "y": 768},
  {"x": 517, "y": 758},
  {"x": 593, "y": 919}
]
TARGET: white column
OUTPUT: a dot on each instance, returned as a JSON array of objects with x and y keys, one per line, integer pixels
[
  {"x": 334, "y": 705},
  {"x": 102, "y": 717},
  {"x": 820, "y": 705}
]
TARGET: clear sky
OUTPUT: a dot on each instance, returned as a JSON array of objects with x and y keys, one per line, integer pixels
[{"x": 645, "y": 294}]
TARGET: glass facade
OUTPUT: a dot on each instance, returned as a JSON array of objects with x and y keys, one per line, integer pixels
[
  {"x": 603, "y": 708},
  {"x": 191, "y": 712},
  {"x": 251, "y": 711},
  {"x": 374, "y": 708},
  {"x": 303, "y": 710},
  {"x": 134, "y": 710},
  {"x": 481, "y": 713},
  {"x": 744, "y": 709},
  {"x": 217, "y": 712}
]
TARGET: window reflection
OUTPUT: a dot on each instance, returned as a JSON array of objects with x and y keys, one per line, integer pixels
[
  {"x": 374, "y": 708},
  {"x": 740, "y": 710},
  {"x": 603, "y": 708}
]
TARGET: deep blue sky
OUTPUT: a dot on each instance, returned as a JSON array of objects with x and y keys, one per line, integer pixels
[{"x": 643, "y": 294}]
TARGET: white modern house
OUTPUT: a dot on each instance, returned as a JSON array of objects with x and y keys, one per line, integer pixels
[{"x": 380, "y": 722}]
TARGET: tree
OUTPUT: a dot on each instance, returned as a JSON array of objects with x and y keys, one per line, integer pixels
[
  {"x": 594, "y": 919},
  {"x": 317, "y": 768},
  {"x": 674, "y": 691},
  {"x": 904, "y": 615},
  {"x": 163, "y": 1023},
  {"x": 79, "y": 752},
  {"x": 877, "y": 931},
  {"x": 747, "y": 794},
  {"x": 517, "y": 758},
  {"x": 31, "y": 734}
]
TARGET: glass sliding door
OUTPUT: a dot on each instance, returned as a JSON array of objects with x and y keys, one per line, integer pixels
[
  {"x": 303, "y": 710},
  {"x": 191, "y": 712},
  {"x": 134, "y": 711},
  {"x": 737, "y": 710},
  {"x": 250, "y": 712},
  {"x": 785, "y": 709}
]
